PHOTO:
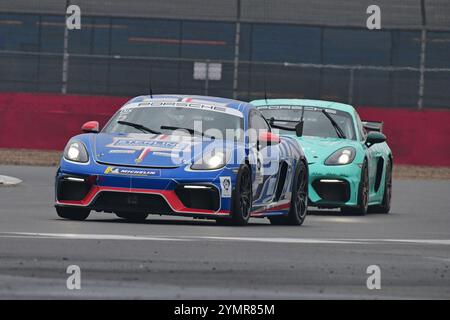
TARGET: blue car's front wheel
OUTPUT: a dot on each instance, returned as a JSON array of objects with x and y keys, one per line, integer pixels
[
  {"x": 73, "y": 213},
  {"x": 299, "y": 200},
  {"x": 241, "y": 202}
]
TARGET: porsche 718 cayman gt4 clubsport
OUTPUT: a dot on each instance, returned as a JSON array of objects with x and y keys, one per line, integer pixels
[
  {"x": 350, "y": 163},
  {"x": 195, "y": 156}
]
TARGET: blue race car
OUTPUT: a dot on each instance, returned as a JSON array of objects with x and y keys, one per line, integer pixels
[{"x": 192, "y": 156}]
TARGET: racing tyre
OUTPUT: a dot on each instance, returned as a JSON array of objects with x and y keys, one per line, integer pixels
[
  {"x": 299, "y": 201},
  {"x": 363, "y": 194},
  {"x": 73, "y": 213},
  {"x": 385, "y": 205},
  {"x": 132, "y": 216},
  {"x": 241, "y": 202}
]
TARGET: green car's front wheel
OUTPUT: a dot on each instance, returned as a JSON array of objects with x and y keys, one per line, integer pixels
[
  {"x": 363, "y": 194},
  {"x": 385, "y": 205},
  {"x": 73, "y": 213}
]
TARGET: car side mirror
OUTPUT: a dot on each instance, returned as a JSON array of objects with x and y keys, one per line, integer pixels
[
  {"x": 91, "y": 127},
  {"x": 374, "y": 137},
  {"x": 268, "y": 138}
]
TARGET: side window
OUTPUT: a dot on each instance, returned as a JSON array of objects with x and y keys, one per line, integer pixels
[{"x": 360, "y": 127}]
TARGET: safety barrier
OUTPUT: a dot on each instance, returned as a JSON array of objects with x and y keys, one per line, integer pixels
[
  {"x": 47, "y": 121},
  {"x": 415, "y": 137}
]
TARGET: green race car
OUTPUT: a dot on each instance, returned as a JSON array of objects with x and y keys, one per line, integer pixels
[{"x": 350, "y": 163}]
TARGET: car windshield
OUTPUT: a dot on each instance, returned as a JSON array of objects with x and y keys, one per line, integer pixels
[
  {"x": 316, "y": 123},
  {"x": 177, "y": 120}
]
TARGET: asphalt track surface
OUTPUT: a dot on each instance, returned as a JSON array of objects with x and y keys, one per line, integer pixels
[{"x": 182, "y": 258}]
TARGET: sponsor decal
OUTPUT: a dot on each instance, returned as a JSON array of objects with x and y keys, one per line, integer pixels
[
  {"x": 122, "y": 151},
  {"x": 161, "y": 145},
  {"x": 286, "y": 107},
  {"x": 225, "y": 187},
  {"x": 146, "y": 143},
  {"x": 133, "y": 172},
  {"x": 161, "y": 142},
  {"x": 188, "y": 103}
]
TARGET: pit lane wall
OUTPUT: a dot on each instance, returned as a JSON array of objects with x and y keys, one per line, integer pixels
[{"x": 47, "y": 121}]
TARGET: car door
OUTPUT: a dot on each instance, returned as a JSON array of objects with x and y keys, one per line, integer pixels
[{"x": 264, "y": 160}]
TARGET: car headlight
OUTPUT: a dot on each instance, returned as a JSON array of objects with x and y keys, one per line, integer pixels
[
  {"x": 342, "y": 156},
  {"x": 211, "y": 161},
  {"x": 76, "y": 151}
]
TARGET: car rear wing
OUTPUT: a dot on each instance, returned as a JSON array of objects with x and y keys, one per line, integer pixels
[{"x": 373, "y": 125}]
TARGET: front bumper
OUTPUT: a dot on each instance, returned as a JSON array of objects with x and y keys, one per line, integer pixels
[
  {"x": 172, "y": 191},
  {"x": 333, "y": 186}
]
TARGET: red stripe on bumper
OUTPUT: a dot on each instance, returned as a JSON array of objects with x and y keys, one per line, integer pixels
[{"x": 169, "y": 195}]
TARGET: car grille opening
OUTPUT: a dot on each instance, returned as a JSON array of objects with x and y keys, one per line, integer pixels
[
  {"x": 332, "y": 190},
  {"x": 199, "y": 196},
  {"x": 72, "y": 190},
  {"x": 131, "y": 202}
]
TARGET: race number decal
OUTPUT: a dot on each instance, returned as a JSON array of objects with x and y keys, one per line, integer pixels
[{"x": 225, "y": 186}]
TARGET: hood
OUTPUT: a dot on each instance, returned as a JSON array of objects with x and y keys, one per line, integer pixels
[
  {"x": 149, "y": 150},
  {"x": 317, "y": 149}
]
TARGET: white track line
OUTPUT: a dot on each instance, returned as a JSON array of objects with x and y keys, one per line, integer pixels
[
  {"x": 73, "y": 236},
  {"x": 78, "y": 236}
]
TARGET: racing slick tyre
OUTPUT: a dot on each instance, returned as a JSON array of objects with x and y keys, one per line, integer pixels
[
  {"x": 73, "y": 213},
  {"x": 385, "y": 205},
  {"x": 299, "y": 201},
  {"x": 363, "y": 194},
  {"x": 241, "y": 202},
  {"x": 132, "y": 216}
]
